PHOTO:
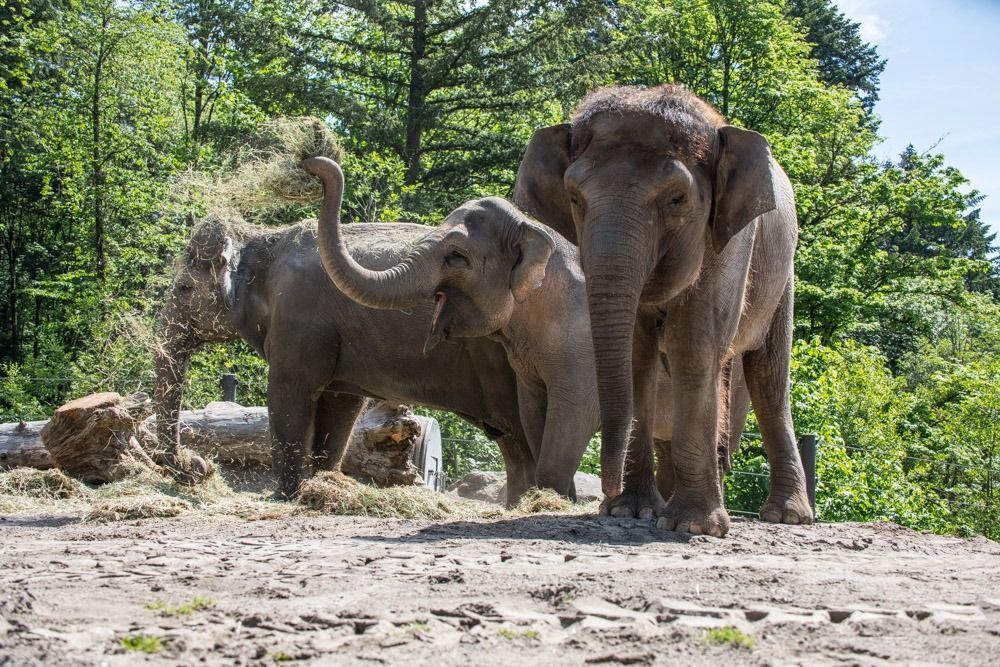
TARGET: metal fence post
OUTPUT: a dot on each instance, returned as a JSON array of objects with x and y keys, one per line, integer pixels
[
  {"x": 229, "y": 387},
  {"x": 807, "y": 450}
]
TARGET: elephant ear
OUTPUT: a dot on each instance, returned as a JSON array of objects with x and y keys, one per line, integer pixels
[
  {"x": 744, "y": 183},
  {"x": 535, "y": 248},
  {"x": 213, "y": 251},
  {"x": 539, "y": 189}
]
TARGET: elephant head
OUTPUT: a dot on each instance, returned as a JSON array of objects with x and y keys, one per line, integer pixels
[
  {"x": 655, "y": 187},
  {"x": 198, "y": 309},
  {"x": 482, "y": 260}
]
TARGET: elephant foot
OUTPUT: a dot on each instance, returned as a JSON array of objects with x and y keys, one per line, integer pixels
[
  {"x": 687, "y": 513},
  {"x": 185, "y": 467},
  {"x": 633, "y": 504},
  {"x": 793, "y": 509}
]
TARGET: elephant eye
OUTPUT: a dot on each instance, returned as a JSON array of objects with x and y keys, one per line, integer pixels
[
  {"x": 677, "y": 200},
  {"x": 456, "y": 260}
]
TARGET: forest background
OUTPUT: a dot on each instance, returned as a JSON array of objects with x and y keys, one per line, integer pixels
[{"x": 108, "y": 108}]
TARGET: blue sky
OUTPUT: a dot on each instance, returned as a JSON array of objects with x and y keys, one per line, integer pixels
[{"x": 941, "y": 84}]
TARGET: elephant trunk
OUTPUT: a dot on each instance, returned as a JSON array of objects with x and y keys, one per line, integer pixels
[
  {"x": 174, "y": 346},
  {"x": 615, "y": 270},
  {"x": 396, "y": 287}
]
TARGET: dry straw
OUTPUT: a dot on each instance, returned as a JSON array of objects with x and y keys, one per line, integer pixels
[
  {"x": 147, "y": 494},
  {"x": 336, "y": 493},
  {"x": 266, "y": 174}
]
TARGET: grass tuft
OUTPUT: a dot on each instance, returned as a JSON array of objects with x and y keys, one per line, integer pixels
[
  {"x": 142, "y": 643},
  {"x": 197, "y": 603},
  {"x": 728, "y": 636}
]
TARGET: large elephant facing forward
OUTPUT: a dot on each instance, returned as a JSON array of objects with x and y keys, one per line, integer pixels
[{"x": 687, "y": 231}]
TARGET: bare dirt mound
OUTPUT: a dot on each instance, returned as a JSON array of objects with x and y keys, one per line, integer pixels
[{"x": 554, "y": 590}]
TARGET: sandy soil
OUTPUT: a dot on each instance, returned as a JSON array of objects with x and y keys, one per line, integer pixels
[{"x": 551, "y": 590}]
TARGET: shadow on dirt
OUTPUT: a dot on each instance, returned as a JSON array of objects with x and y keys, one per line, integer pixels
[
  {"x": 575, "y": 529},
  {"x": 45, "y": 521}
]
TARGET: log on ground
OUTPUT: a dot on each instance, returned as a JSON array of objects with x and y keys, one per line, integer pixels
[{"x": 380, "y": 449}]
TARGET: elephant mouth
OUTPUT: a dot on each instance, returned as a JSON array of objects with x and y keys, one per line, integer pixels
[{"x": 436, "y": 334}]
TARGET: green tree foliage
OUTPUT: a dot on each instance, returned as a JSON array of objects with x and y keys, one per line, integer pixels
[
  {"x": 105, "y": 107},
  {"x": 844, "y": 58},
  {"x": 446, "y": 92}
]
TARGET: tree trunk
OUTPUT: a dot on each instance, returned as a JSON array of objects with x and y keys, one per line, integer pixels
[
  {"x": 97, "y": 162},
  {"x": 417, "y": 94},
  {"x": 15, "y": 337}
]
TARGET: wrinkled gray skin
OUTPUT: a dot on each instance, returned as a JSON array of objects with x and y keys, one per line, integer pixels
[
  {"x": 324, "y": 351},
  {"x": 687, "y": 231},
  {"x": 491, "y": 271}
]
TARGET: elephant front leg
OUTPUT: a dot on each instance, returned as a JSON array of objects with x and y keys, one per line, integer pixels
[
  {"x": 570, "y": 423},
  {"x": 696, "y": 505},
  {"x": 640, "y": 497},
  {"x": 292, "y": 413}
]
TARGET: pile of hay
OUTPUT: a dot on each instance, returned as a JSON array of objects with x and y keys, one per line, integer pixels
[
  {"x": 336, "y": 493},
  {"x": 41, "y": 484},
  {"x": 542, "y": 500}
]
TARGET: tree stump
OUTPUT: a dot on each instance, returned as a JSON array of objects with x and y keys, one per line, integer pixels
[
  {"x": 91, "y": 437},
  {"x": 384, "y": 452}
]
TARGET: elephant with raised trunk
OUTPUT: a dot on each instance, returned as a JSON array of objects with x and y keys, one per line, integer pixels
[
  {"x": 491, "y": 271},
  {"x": 325, "y": 353},
  {"x": 687, "y": 230}
]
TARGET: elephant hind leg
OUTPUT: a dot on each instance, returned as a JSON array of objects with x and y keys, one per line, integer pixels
[
  {"x": 767, "y": 377},
  {"x": 335, "y": 418}
]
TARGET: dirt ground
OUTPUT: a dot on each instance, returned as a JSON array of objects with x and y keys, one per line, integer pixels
[{"x": 549, "y": 589}]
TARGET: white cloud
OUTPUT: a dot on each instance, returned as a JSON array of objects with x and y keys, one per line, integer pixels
[{"x": 873, "y": 27}]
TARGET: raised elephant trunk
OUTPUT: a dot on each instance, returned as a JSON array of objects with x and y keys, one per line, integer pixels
[
  {"x": 615, "y": 274},
  {"x": 396, "y": 287}
]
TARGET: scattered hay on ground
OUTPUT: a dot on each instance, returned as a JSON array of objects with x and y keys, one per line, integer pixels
[
  {"x": 31, "y": 490},
  {"x": 127, "y": 508},
  {"x": 336, "y": 493},
  {"x": 146, "y": 493}
]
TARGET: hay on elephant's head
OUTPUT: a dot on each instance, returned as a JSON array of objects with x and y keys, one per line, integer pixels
[
  {"x": 336, "y": 493},
  {"x": 267, "y": 172}
]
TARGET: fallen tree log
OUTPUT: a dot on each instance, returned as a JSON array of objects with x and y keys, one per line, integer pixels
[{"x": 380, "y": 449}]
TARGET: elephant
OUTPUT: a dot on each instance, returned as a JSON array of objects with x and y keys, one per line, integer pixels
[
  {"x": 687, "y": 230},
  {"x": 325, "y": 353},
  {"x": 491, "y": 271}
]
